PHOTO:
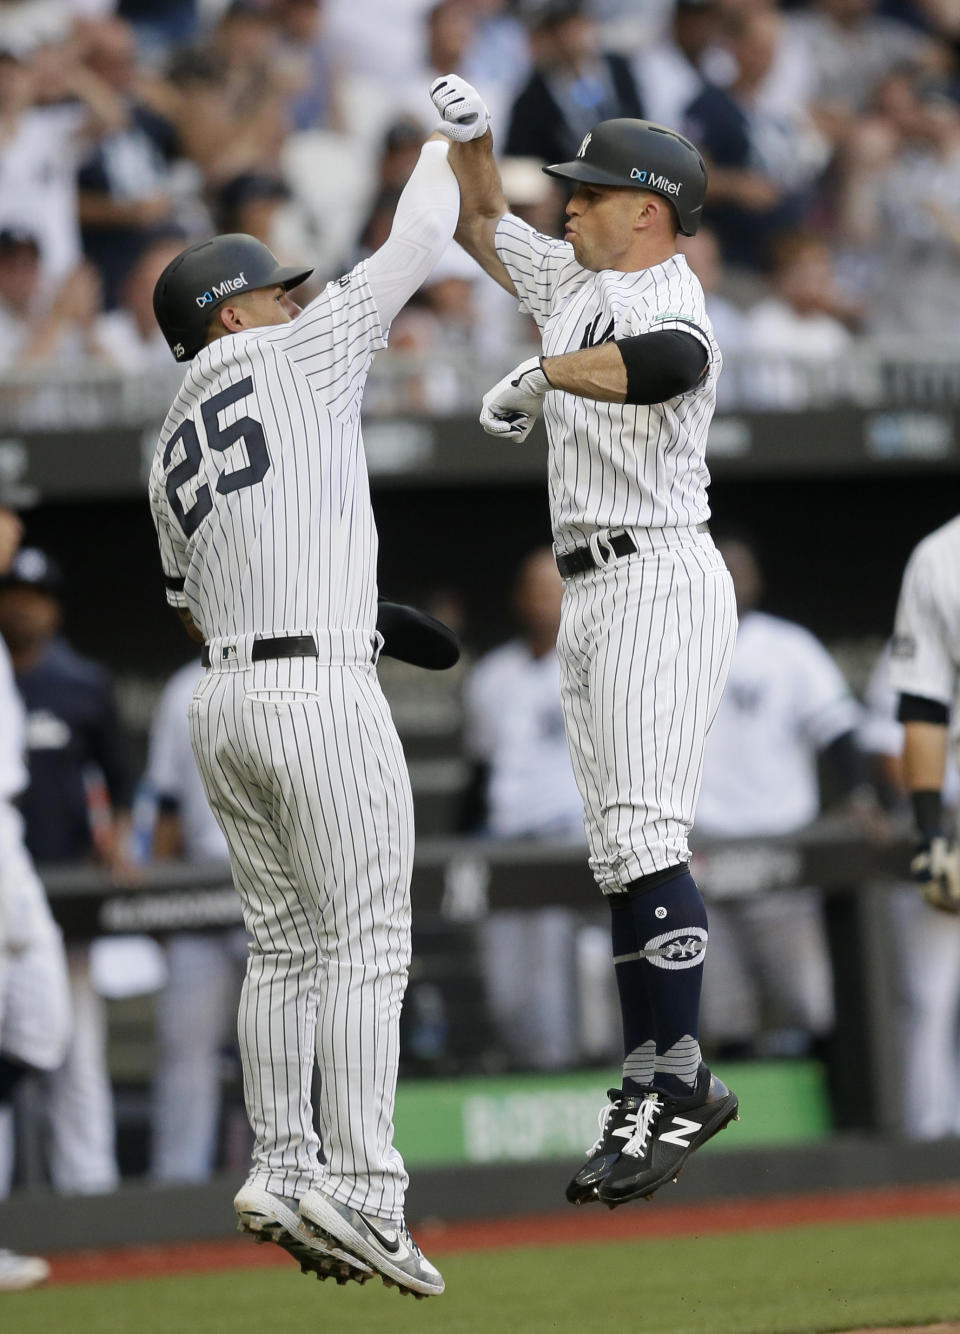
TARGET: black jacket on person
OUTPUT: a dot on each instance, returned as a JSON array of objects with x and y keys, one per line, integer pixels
[
  {"x": 539, "y": 126},
  {"x": 72, "y": 731}
]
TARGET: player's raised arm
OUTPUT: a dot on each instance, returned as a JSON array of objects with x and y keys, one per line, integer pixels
[
  {"x": 422, "y": 229},
  {"x": 642, "y": 369},
  {"x": 465, "y": 122}
]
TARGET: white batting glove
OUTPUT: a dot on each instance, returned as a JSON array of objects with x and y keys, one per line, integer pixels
[
  {"x": 513, "y": 404},
  {"x": 936, "y": 869},
  {"x": 462, "y": 112}
]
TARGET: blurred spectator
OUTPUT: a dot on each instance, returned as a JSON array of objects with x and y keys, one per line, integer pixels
[
  {"x": 804, "y": 320},
  {"x": 123, "y": 181},
  {"x": 316, "y": 102},
  {"x": 35, "y": 331},
  {"x": 767, "y": 983},
  {"x": 128, "y": 336},
  {"x": 848, "y": 48},
  {"x": 159, "y": 25},
  {"x": 522, "y": 786},
  {"x": 573, "y": 86},
  {"x": 927, "y": 944},
  {"x": 901, "y": 203},
  {"x": 249, "y": 203},
  {"x": 34, "y": 991},
  {"x": 230, "y": 98},
  {"x": 48, "y": 102},
  {"x": 729, "y": 323},
  {"x": 75, "y": 807},
  {"x": 197, "y": 1011},
  {"x": 763, "y": 160},
  {"x": 672, "y": 71}
]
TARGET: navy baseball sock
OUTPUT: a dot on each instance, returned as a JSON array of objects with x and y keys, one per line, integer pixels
[{"x": 659, "y": 976}]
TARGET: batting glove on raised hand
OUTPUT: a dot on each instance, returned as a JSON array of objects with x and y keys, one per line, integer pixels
[
  {"x": 462, "y": 112},
  {"x": 936, "y": 869},
  {"x": 513, "y": 404}
]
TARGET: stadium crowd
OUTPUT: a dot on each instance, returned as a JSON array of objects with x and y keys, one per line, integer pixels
[{"x": 127, "y": 128}]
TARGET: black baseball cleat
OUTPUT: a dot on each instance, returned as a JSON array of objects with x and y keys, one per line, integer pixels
[
  {"x": 667, "y": 1131},
  {"x": 617, "y": 1125}
]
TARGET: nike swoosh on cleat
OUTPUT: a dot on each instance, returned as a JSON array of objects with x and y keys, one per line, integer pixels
[{"x": 392, "y": 1246}]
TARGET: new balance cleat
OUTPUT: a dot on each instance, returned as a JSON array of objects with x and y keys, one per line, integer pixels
[
  {"x": 667, "y": 1130},
  {"x": 385, "y": 1246},
  {"x": 268, "y": 1217},
  {"x": 617, "y": 1121}
]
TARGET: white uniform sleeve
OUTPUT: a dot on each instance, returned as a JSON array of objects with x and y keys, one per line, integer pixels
[
  {"x": 677, "y": 303},
  {"x": 173, "y": 546},
  {"x": 542, "y": 268},
  {"x": 423, "y": 227},
  {"x": 880, "y": 733},
  {"x": 920, "y": 660},
  {"x": 825, "y": 707}
]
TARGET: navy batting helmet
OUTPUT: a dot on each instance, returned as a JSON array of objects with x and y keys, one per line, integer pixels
[
  {"x": 646, "y": 156},
  {"x": 206, "y": 274}
]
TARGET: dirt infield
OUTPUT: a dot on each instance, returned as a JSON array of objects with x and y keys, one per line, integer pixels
[{"x": 576, "y": 1226}]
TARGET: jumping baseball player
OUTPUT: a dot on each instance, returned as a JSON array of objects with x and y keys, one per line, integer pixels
[
  {"x": 925, "y": 670},
  {"x": 627, "y": 384},
  {"x": 261, "y": 502}
]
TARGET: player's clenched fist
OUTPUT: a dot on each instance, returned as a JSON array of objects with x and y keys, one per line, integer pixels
[
  {"x": 513, "y": 404},
  {"x": 461, "y": 109}
]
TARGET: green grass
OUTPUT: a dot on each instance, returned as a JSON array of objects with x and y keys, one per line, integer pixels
[{"x": 781, "y": 1282}]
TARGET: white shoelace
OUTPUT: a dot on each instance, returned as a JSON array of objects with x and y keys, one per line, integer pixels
[
  {"x": 603, "y": 1116},
  {"x": 643, "y": 1121}
]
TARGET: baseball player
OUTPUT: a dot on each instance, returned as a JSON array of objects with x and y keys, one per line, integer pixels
[
  {"x": 261, "y": 502},
  {"x": 925, "y": 671},
  {"x": 627, "y": 385},
  {"x": 34, "y": 987}
]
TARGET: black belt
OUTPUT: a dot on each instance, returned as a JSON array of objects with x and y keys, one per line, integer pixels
[
  {"x": 286, "y": 646},
  {"x": 582, "y": 559}
]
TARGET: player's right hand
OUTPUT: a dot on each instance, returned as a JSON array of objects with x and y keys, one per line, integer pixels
[
  {"x": 462, "y": 112},
  {"x": 936, "y": 869}
]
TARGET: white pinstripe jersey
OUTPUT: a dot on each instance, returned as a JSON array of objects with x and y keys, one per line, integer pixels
[
  {"x": 259, "y": 488},
  {"x": 925, "y": 653},
  {"x": 614, "y": 465}
]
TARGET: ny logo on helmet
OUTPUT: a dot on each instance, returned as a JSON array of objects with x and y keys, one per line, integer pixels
[{"x": 581, "y": 151}]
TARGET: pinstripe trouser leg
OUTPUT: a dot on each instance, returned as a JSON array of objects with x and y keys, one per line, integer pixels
[
  {"x": 645, "y": 646},
  {"x": 311, "y": 790}
]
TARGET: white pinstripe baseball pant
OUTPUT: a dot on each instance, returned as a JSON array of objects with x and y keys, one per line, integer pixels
[
  {"x": 304, "y": 770},
  {"x": 645, "y": 645}
]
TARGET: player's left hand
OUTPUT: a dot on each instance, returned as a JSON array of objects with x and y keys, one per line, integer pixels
[
  {"x": 463, "y": 113},
  {"x": 936, "y": 869},
  {"x": 513, "y": 404}
]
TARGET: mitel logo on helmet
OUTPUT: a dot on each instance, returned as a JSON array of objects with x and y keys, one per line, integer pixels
[
  {"x": 655, "y": 182},
  {"x": 219, "y": 290}
]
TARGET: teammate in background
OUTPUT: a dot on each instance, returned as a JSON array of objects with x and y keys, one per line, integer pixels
[
  {"x": 75, "y": 808},
  {"x": 785, "y": 704},
  {"x": 925, "y": 668},
  {"x": 196, "y": 1011},
  {"x": 627, "y": 385},
  {"x": 261, "y": 502},
  {"x": 34, "y": 989},
  {"x": 926, "y": 942},
  {"x": 522, "y": 786}
]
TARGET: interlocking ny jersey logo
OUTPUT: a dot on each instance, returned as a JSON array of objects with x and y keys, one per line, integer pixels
[
  {"x": 582, "y": 150},
  {"x": 681, "y": 948}
]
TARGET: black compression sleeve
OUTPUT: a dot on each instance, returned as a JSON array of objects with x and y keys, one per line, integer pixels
[
  {"x": 847, "y": 762},
  {"x": 919, "y": 709},
  {"x": 661, "y": 365}
]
